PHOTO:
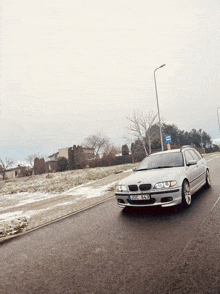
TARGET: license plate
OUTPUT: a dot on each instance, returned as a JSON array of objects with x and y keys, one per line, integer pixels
[{"x": 140, "y": 197}]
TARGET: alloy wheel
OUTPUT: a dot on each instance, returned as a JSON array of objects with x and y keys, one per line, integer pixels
[
  {"x": 187, "y": 198},
  {"x": 208, "y": 179}
]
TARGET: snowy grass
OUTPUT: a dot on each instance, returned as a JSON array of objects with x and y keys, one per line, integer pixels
[
  {"x": 59, "y": 182},
  {"x": 32, "y": 201}
]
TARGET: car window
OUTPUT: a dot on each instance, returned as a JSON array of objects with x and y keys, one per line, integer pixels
[
  {"x": 188, "y": 156},
  {"x": 195, "y": 155},
  {"x": 171, "y": 159},
  {"x": 198, "y": 154}
]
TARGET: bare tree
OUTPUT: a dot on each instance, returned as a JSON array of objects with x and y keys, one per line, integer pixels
[
  {"x": 135, "y": 128},
  {"x": 30, "y": 159},
  {"x": 140, "y": 127},
  {"x": 4, "y": 165},
  {"x": 110, "y": 152},
  {"x": 147, "y": 123},
  {"x": 97, "y": 141}
]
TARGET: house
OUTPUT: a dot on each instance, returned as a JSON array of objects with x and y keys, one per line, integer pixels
[
  {"x": 54, "y": 157},
  {"x": 64, "y": 152},
  {"x": 17, "y": 172},
  {"x": 51, "y": 165},
  {"x": 13, "y": 173}
]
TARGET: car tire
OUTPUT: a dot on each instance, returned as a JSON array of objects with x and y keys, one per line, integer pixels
[
  {"x": 208, "y": 179},
  {"x": 186, "y": 195},
  {"x": 128, "y": 209}
]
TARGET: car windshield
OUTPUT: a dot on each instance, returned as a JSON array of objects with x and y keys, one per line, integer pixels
[{"x": 163, "y": 160}]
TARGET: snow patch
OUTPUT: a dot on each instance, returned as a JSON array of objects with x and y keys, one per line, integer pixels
[{"x": 14, "y": 222}]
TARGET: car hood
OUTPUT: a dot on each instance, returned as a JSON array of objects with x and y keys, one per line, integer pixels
[{"x": 154, "y": 176}]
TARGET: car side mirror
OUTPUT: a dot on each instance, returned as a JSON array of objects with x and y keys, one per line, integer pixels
[{"x": 192, "y": 162}]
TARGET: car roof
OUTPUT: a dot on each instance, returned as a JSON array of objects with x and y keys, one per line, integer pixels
[
  {"x": 173, "y": 150},
  {"x": 165, "y": 152}
]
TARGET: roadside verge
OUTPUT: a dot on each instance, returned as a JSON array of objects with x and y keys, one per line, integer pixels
[{"x": 35, "y": 210}]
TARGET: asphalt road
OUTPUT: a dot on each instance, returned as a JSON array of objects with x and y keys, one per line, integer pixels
[{"x": 104, "y": 249}]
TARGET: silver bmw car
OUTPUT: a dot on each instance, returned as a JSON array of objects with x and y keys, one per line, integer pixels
[{"x": 165, "y": 179}]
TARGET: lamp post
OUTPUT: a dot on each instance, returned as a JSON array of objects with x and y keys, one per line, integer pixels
[
  {"x": 218, "y": 118},
  {"x": 161, "y": 139}
]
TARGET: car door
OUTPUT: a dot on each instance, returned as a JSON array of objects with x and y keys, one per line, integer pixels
[
  {"x": 201, "y": 166},
  {"x": 191, "y": 171}
]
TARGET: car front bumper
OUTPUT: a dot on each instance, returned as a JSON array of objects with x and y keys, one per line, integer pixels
[{"x": 157, "y": 198}]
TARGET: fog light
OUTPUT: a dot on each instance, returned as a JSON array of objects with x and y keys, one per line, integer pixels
[
  {"x": 121, "y": 201},
  {"x": 166, "y": 199}
]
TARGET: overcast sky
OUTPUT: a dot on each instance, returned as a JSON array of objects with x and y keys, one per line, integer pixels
[{"x": 72, "y": 68}]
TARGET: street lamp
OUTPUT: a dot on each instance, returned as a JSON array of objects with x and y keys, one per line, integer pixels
[
  {"x": 218, "y": 118},
  {"x": 161, "y": 140}
]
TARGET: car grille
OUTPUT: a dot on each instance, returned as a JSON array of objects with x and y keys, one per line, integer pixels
[
  {"x": 142, "y": 202},
  {"x": 142, "y": 187},
  {"x": 133, "y": 188},
  {"x": 145, "y": 187}
]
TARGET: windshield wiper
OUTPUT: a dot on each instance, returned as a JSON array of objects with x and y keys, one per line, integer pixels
[
  {"x": 166, "y": 166},
  {"x": 156, "y": 167},
  {"x": 148, "y": 168}
]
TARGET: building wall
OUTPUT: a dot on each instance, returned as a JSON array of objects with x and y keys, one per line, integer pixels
[
  {"x": 54, "y": 157},
  {"x": 12, "y": 174},
  {"x": 64, "y": 153}
]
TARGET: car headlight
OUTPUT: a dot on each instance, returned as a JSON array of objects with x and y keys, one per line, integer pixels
[
  {"x": 166, "y": 184},
  {"x": 122, "y": 188}
]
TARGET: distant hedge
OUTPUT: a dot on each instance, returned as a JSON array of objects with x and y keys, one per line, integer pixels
[{"x": 117, "y": 160}]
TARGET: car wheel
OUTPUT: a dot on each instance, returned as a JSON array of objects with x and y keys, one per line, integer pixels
[
  {"x": 126, "y": 210},
  {"x": 186, "y": 195},
  {"x": 208, "y": 179}
]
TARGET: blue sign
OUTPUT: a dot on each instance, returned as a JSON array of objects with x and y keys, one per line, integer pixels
[{"x": 168, "y": 138}]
